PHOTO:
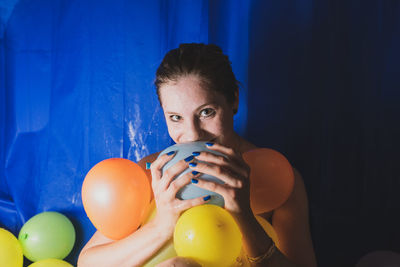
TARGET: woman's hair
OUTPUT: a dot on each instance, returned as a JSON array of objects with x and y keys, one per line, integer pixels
[{"x": 203, "y": 60}]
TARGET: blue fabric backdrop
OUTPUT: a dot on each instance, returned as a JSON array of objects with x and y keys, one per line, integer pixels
[{"x": 320, "y": 83}]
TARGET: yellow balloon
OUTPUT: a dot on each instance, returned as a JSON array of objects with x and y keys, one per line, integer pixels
[
  {"x": 167, "y": 251},
  {"x": 242, "y": 260},
  {"x": 151, "y": 212},
  {"x": 50, "y": 263},
  {"x": 268, "y": 229},
  {"x": 10, "y": 250},
  {"x": 209, "y": 235}
]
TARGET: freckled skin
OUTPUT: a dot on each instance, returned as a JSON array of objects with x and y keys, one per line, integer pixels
[{"x": 195, "y": 113}]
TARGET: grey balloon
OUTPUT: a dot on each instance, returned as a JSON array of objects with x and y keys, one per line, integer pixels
[{"x": 192, "y": 191}]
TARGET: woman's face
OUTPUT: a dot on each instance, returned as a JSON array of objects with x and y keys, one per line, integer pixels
[{"x": 195, "y": 113}]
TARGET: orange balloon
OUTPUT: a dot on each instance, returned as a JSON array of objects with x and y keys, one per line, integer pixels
[
  {"x": 271, "y": 179},
  {"x": 150, "y": 212},
  {"x": 116, "y": 194}
]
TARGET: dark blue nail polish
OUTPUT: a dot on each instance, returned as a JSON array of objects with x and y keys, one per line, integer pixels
[
  {"x": 192, "y": 164},
  {"x": 189, "y": 158},
  {"x": 209, "y": 144},
  {"x": 194, "y": 181},
  {"x": 148, "y": 164},
  {"x": 206, "y": 198},
  {"x": 195, "y": 172},
  {"x": 170, "y": 153},
  {"x": 196, "y": 153}
]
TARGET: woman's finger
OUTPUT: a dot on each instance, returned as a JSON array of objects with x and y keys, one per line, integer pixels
[
  {"x": 157, "y": 165},
  {"x": 178, "y": 183},
  {"x": 235, "y": 156},
  {"x": 220, "y": 148},
  {"x": 211, "y": 186},
  {"x": 183, "y": 205},
  {"x": 235, "y": 164},
  {"x": 224, "y": 174},
  {"x": 172, "y": 172}
]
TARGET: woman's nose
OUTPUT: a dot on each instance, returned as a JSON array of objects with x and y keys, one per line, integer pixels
[{"x": 193, "y": 132}]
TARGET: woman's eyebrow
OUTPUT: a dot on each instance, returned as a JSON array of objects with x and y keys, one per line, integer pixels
[
  {"x": 206, "y": 104},
  {"x": 198, "y": 108},
  {"x": 171, "y": 112}
]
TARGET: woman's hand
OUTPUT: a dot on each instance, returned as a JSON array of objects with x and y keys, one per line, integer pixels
[
  {"x": 230, "y": 169},
  {"x": 165, "y": 188}
]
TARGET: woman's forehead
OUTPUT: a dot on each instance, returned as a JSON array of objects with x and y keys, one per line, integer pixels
[{"x": 187, "y": 92}]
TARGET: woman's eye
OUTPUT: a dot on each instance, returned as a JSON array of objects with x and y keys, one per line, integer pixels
[
  {"x": 207, "y": 112},
  {"x": 175, "y": 118}
]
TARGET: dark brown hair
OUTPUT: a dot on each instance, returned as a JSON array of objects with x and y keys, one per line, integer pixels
[{"x": 204, "y": 60}]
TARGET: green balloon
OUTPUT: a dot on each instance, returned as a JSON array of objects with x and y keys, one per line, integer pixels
[{"x": 47, "y": 235}]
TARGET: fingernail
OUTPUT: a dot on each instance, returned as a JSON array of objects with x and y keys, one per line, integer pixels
[
  {"x": 148, "y": 164},
  {"x": 206, "y": 198},
  {"x": 192, "y": 164},
  {"x": 171, "y": 153},
  {"x": 196, "y": 153},
  {"x": 209, "y": 144},
  {"x": 195, "y": 172},
  {"x": 194, "y": 181},
  {"x": 189, "y": 158}
]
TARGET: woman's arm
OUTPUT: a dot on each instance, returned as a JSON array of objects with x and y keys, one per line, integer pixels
[
  {"x": 133, "y": 250},
  {"x": 291, "y": 223},
  {"x": 234, "y": 172},
  {"x": 257, "y": 243},
  {"x": 138, "y": 247}
]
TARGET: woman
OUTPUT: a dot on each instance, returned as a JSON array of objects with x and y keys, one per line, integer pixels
[{"x": 199, "y": 96}]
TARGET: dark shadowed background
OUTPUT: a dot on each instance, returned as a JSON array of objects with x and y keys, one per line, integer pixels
[{"x": 320, "y": 83}]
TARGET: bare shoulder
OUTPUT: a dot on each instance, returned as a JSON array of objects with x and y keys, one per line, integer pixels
[
  {"x": 148, "y": 159},
  {"x": 245, "y": 145},
  {"x": 297, "y": 203},
  {"x": 299, "y": 194}
]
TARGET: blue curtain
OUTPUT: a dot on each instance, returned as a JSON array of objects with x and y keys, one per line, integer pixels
[{"x": 319, "y": 83}]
